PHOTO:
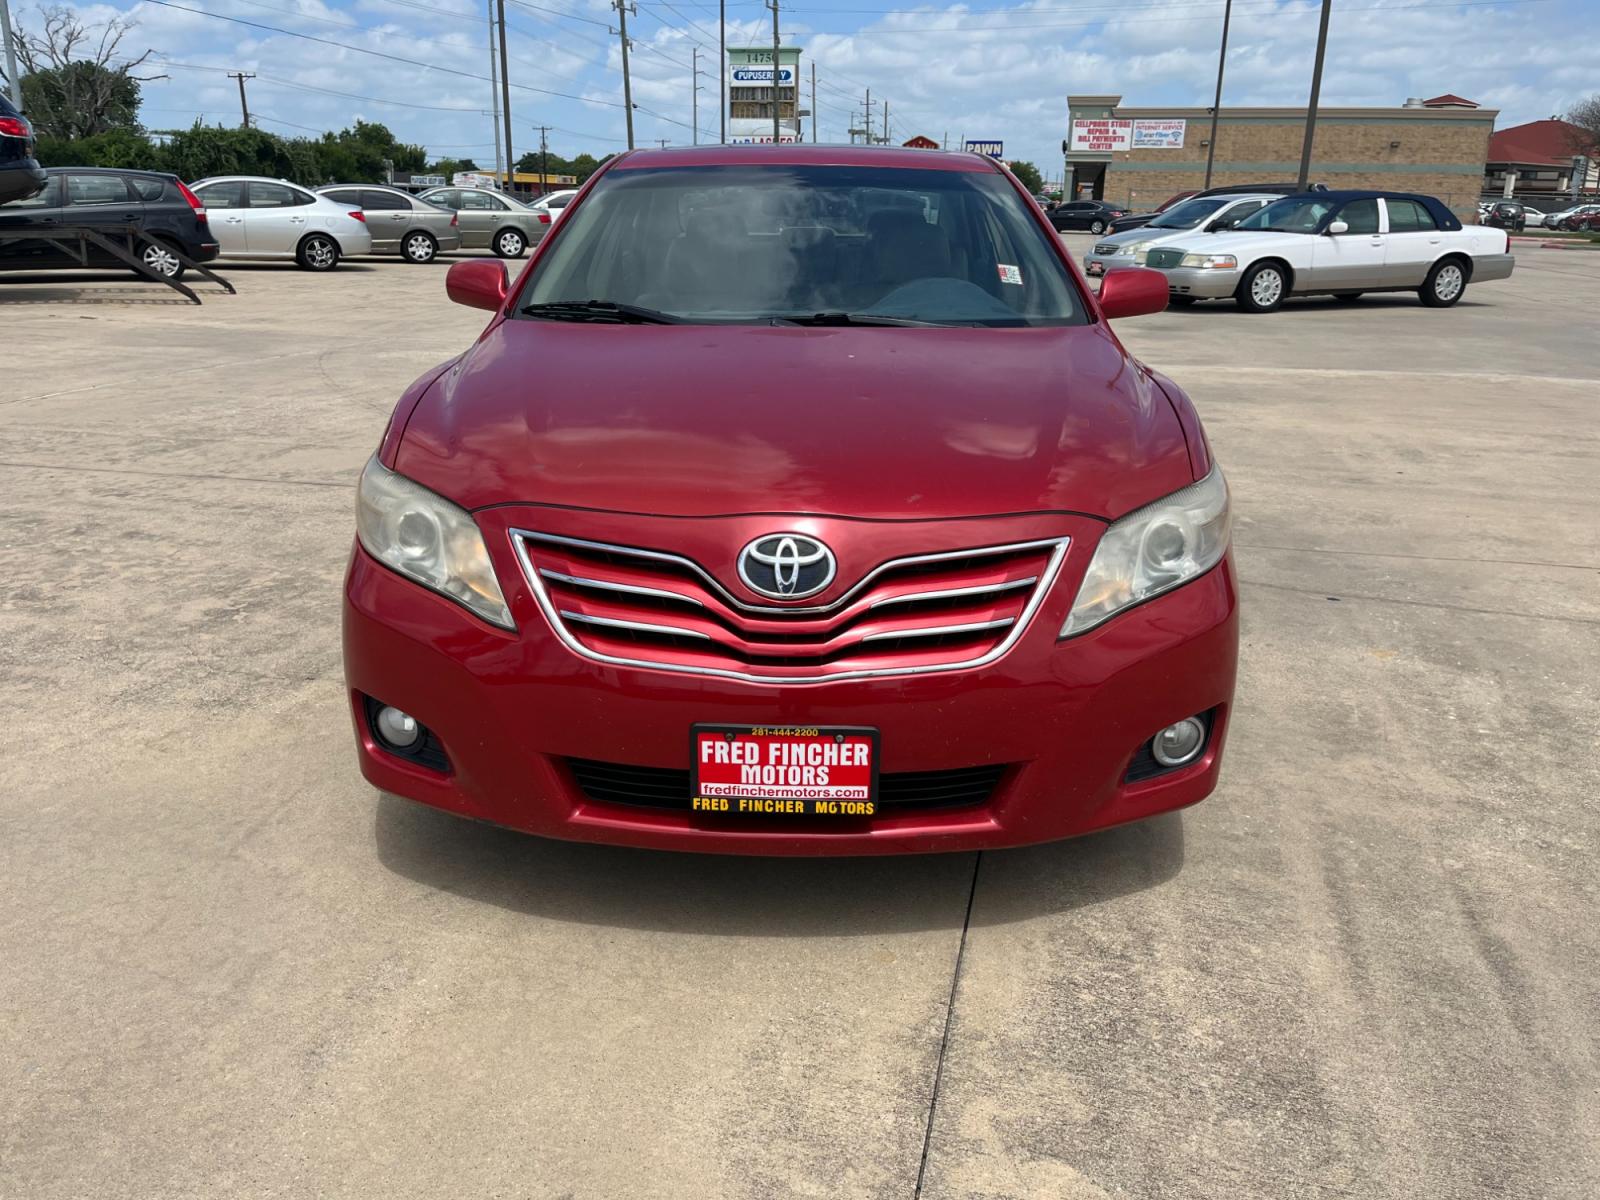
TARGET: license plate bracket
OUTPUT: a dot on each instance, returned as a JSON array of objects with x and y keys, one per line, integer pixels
[{"x": 784, "y": 770}]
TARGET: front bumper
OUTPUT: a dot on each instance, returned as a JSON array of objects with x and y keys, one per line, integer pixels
[
  {"x": 1101, "y": 264},
  {"x": 1065, "y": 719},
  {"x": 1203, "y": 283}
]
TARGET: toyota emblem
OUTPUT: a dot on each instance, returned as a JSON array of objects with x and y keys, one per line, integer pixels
[{"x": 786, "y": 566}]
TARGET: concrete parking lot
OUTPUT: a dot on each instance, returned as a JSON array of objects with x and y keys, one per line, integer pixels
[{"x": 1369, "y": 966}]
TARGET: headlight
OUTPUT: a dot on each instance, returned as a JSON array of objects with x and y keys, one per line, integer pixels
[
  {"x": 1154, "y": 550},
  {"x": 426, "y": 538},
  {"x": 1209, "y": 260},
  {"x": 1140, "y": 253}
]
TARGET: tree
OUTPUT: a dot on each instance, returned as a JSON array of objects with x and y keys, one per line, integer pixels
[
  {"x": 1586, "y": 116},
  {"x": 75, "y": 80},
  {"x": 449, "y": 166},
  {"x": 1028, "y": 176}
]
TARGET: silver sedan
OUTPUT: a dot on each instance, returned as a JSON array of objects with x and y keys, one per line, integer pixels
[
  {"x": 400, "y": 224},
  {"x": 490, "y": 220}
]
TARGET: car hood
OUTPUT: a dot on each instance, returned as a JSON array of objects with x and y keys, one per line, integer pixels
[{"x": 703, "y": 420}]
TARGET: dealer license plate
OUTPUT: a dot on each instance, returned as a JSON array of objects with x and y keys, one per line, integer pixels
[
  {"x": 784, "y": 770},
  {"x": 1097, "y": 268}
]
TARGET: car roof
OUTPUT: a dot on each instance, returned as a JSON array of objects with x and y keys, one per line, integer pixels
[
  {"x": 382, "y": 187},
  {"x": 794, "y": 154},
  {"x": 109, "y": 171},
  {"x": 1441, "y": 214}
]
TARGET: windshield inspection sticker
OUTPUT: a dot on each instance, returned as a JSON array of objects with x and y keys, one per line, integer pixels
[{"x": 1010, "y": 274}]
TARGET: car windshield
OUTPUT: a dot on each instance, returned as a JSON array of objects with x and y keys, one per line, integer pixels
[
  {"x": 1296, "y": 214},
  {"x": 820, "y": 244},
  {"x": 1188, "y": 214}
]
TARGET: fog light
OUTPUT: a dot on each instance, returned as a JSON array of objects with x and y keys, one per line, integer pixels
[
  {"x": 1179, "y": 743},
  {"x": 396, "y": 728}
]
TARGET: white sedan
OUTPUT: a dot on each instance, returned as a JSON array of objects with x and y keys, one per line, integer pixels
[
  {"x": 1336, "y": 243},
  {"x": 555, "y": 203}
]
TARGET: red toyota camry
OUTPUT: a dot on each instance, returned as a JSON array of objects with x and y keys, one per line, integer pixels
[{"x": 795, "y": 500}]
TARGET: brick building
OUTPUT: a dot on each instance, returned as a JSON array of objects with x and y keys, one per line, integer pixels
[{"x": 1144, "y": 155}]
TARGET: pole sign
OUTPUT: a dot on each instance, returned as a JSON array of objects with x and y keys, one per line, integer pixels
[
  {"x": 992, "y": 149},
  {"x": 742, "y": 75},
  {"x": 428, "y": 180}
]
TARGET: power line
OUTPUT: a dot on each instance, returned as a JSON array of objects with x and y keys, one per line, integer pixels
[
  {"x": 556, "y": 12},
  {"x": 410, "y": 62}
]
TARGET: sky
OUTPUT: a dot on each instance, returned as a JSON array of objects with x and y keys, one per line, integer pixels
[{"x": 987, "y": 69}]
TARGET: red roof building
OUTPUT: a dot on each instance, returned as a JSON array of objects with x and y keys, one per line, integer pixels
[
  {"x": 1448, "y": 100},
  {"x": 921, "y": 143},
  {"x": 1539, "y": 154}
]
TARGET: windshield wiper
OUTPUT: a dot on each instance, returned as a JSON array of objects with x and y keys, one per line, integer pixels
[
  {"x": 846, "y": 318},
  {"x": 600, "y": 310}
]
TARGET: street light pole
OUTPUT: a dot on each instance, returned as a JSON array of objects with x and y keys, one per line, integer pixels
[
  {"x": 722, "y": 65},
  {"x": 494, "y": 97},
  {"x": 1316, "y": 92},
  {"x": 1216, "y": 105}
]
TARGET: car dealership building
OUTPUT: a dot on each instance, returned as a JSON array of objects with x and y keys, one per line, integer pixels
[{"x": 1144, "y": 155}]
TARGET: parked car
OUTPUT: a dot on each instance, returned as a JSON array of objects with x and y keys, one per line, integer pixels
[
  {"x": 492, "y": 221},
  {"x": 1570, "y": 218},
  {"x": 399, "y": 223},
  {"x": 1093, "y": 215},
  {"x": 1504, "y": 214},
  {"x": 1586, "y": 222},
  {"x": 1212, "y": 214},
  {"x": 20, "y": 173},
  {"x": 274, "y": 219},
  {"x": 1137, "y": 220},
  {"x": 110, "y": 201},
  {"x": 1341, "y": 243},
  {"x": 1532, "y": 216},
  {"x": 716, "y": 590},
  {"x": 554, "y": 203}
]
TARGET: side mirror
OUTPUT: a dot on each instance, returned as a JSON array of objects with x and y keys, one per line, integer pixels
[
  {"x": 1221, "y": 224},
  {"x": 1133, "y": 292},
  {"x": 1338, "y": 227},
  {"x": 478, "y": 284}
]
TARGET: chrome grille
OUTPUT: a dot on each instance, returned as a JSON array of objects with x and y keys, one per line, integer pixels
[
  {"x": 1108, "y": 248},
  {"x": 632, "y": 606}
]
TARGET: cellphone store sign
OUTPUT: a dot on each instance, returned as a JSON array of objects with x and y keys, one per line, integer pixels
[{"x": 1108, "y": 135}]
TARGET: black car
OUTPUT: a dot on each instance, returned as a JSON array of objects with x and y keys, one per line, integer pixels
[
  {"x": 1506, "y": 214},
  {"x": 20, "y": 175},
  {"x": 111, "y": 201},
  {"x": 1093, "y": 215}
]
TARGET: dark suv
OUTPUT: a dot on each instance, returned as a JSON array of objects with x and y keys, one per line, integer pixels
[
  {"x": 110, "y": 201},
  {"x": 20, "y": 176}
]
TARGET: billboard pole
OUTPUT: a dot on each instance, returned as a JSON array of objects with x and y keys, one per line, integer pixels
[
  {"x": 12, "y": 77},
  {"x": 722, "y": 67}
]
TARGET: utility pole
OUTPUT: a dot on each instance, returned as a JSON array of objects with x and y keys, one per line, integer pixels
[
  {"x": 777, "y": 71},
  {"x": 866, "y": 119},
  {"x": 12, "y": 78},
  {"x": 1216, "y": 105},
  {"x": 241, "y": 76},
  {"x": 814, "y": 118},
  {"x": 1316, "y": 92},
  {"x": 544, "y": 158},
  {"x": 494, "y": 97},
  {"x": 505, "y": 99},
  {"x": 622, "y": 7},
  {"x": 694, "y": 94},
  {"x": 885, "y": 123},
  {"x": 722, "y": 64}
]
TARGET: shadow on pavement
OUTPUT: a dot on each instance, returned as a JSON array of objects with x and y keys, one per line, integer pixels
[{"x": 724, "y": 895}]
